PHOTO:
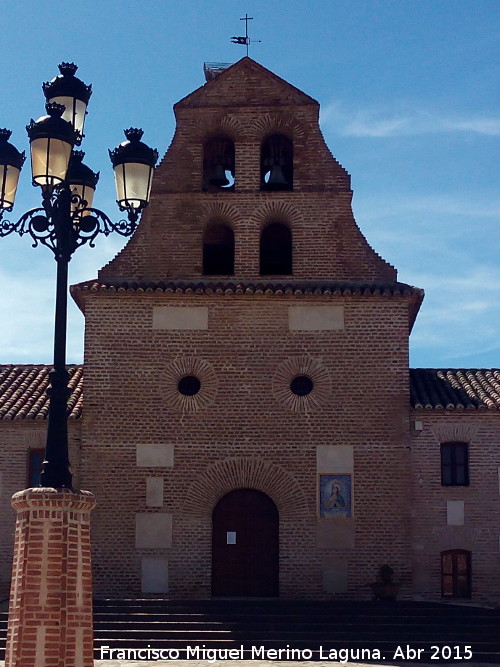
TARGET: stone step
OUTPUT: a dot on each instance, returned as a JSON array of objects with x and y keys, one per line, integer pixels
[
  {"x": 129, "y": 625},
  {"x": 256, "y": 624},
  {"x": 414, "y": 608},
  {"x": 297, "y": 616},
  {"x": 261, "y": 616},
  {"x": 261, "y": 649}
]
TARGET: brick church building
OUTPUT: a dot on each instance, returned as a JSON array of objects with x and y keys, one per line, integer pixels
[{"x": 250, "y": 425}]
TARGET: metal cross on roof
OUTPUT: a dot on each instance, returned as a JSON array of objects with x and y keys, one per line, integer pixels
[{"x": 245, "y": 40}]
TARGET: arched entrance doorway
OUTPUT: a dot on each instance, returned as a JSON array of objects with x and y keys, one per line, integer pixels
[{"x": 245, "y": 545}]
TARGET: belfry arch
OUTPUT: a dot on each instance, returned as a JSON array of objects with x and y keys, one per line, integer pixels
[{"x": 218, "y": 249}]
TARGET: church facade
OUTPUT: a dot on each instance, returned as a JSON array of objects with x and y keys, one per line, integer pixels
[{"x": 250, "y": 425}]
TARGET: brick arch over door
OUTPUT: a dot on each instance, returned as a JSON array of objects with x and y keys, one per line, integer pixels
[{"x": 251, "y": 473}]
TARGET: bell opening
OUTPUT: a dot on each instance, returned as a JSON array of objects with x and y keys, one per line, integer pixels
[
  {"x": 218, "y": 164},
  {"x": 276, "y": 164}
]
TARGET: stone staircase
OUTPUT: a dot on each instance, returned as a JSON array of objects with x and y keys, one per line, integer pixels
[{"x": 259, "y": 629}]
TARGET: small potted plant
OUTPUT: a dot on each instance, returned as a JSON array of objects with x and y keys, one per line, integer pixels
[{"x": 385, "y": 587}]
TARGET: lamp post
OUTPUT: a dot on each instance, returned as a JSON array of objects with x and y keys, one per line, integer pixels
[
  {"x": 50, "y": 610},
  {"x": 66, "y": 220}
]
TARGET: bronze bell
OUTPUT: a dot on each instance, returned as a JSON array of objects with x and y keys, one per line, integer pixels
[
  {"x": 219, "y": 176},
  {"x": 277, "y": 180}
]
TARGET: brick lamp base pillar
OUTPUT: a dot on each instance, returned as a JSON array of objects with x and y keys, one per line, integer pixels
[{"x": 50, "y": 613}]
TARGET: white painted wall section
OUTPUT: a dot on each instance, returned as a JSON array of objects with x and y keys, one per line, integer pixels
[
  {"x": 179, "y": 318},
  {"x": 455, "y": 512},
  {"x": 335, "y": 458},
  {"x": 155, "y": 456},
  {"x": 315, "y": 318}
]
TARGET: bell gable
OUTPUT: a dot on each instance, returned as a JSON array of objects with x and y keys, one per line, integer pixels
[
  {"x": 246, "y": 83},
  {"x": 249, "y": 191}
]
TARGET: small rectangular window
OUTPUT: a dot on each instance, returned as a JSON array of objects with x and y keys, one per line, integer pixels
[
  {"x": 455, "y": 464},
  {"x": 35, "y": 463}
]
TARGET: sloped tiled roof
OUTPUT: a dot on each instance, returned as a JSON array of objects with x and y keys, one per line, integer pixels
[
  {"x": 455, "y": 389},
  {"x": 23, "y": 391}
]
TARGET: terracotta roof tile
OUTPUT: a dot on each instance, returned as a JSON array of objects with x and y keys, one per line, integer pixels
[
  {"x": 242, "y": 287},
  {"x": 414, "y": 295},
  {"x": 455, "y": 389},
  {"x": 23, "y": 391}
]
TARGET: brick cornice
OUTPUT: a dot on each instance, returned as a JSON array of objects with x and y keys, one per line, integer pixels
[
  {"x": 279, "y": 288},
  {"x": 53, "y": 499}
]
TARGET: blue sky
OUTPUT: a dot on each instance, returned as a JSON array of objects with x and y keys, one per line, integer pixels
[{"x": 409, "y": 91}]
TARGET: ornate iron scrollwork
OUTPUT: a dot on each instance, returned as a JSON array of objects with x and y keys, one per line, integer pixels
[{"x": 64, "y": 223}]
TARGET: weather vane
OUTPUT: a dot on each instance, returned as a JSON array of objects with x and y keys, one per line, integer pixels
[{"x": 246, "y": 39}]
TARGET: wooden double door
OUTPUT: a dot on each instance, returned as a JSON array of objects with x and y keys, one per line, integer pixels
[{"x": 245, "y": 545}]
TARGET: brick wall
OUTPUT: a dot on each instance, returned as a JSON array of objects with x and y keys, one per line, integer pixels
[
  {"x": 18, "y": 438},
  {"x": 478, "y": 530},
  {"x": 327, "y": 241},
  {"x": 131, "y": 399},
  {"x": 50, "y": 610},
  {"x": 246, "y": 428},
  {"x": 159, "y": 461}
]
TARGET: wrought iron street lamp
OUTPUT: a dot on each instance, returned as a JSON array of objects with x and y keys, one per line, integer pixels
[
  {"x": 74, "y": 95},
  {"x": 66, "y": 219}
]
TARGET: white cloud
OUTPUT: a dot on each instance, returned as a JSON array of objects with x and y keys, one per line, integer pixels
[
  {"x": 479, "y": 279},
  {"x": 456, "y": 204},
  {"x": 489, "y": 126},
  {"x": 370, "y": 122},
  {"x": 459, "y": 316}
]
